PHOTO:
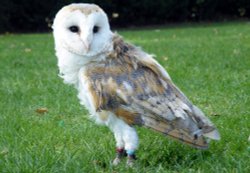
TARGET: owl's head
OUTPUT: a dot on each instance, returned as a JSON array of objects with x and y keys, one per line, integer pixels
[{"x": 82, "y": 29}]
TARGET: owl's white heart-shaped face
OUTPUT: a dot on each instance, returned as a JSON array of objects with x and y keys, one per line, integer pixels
[{"x": 82, "y": 29}]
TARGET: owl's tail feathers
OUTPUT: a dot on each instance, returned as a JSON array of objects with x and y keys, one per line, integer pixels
[
  {"x": 213, "y": 135},
  {"x": 193, "y": 130},
  {"x": 208, "y": 128},
  {"x": 196, "y": 140}
]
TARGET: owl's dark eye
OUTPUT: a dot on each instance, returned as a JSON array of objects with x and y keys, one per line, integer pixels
[
  {"x": 74, "y": 28},
  {"x": 96, "y": 29}
]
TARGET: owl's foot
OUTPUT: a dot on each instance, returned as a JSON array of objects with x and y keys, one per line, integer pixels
[
  {"x": 120, "y": 153},
  {"x": 131, "y": 158},
  {"x": 131, "y": 161}
]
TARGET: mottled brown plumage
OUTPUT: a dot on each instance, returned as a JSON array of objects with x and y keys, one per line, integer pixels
[{"x": 140, "y": 94}]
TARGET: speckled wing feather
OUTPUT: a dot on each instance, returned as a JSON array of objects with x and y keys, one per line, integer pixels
[{"x": 136, "y": 89}]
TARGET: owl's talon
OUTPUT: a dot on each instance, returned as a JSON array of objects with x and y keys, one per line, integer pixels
[
  {"x": 120, "y": 153},
  {"x": 116, "y": 161},
  {"x": 131, "y": 161}
]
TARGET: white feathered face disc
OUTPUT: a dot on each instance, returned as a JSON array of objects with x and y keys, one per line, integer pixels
[{"x": 82, "y": 29}]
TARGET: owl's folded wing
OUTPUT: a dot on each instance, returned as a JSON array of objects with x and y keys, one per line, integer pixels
[
  {"x": 140, "y": 97},
  {"x": 132, "y": 85}
]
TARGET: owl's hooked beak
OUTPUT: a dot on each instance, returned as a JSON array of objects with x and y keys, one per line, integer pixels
[
  {"x": 86, "y": 41},
  {"x": 86, "y": 45}
]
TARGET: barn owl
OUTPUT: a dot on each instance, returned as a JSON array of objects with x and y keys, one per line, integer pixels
[{"x": 121, "y": 85}]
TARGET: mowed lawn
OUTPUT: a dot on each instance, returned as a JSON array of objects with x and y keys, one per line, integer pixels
[{"x": 210, "y": 63}]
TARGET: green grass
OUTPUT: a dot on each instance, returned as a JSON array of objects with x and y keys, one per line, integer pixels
[{"x": 210, "y": 63}]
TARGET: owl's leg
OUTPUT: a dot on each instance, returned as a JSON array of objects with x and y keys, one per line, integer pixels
[
  {"x": 131, "y": 141},
  {"x": 126, "y": 140},
  {"x": 120, "y": 152}
]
